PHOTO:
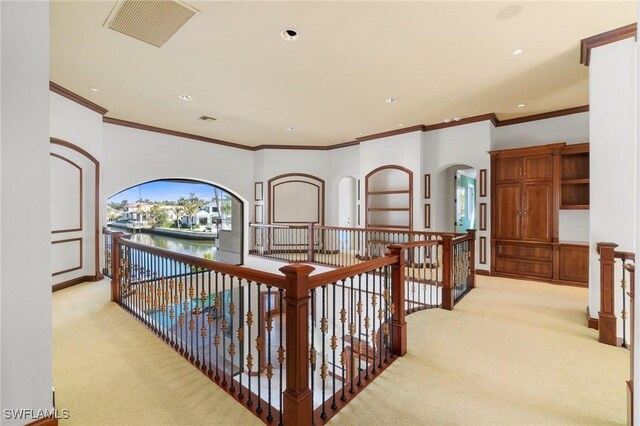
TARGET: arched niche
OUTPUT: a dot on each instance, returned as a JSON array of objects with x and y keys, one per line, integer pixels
[
  {"x": 389, "y": 198},
  {"x": 296, "y": 198}
]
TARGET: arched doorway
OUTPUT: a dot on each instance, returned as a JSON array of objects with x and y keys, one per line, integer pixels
[
  {"x": 460, "y": 188},
  {"x": 346, "y": 209},
  {"x": 184, "y": 215}
]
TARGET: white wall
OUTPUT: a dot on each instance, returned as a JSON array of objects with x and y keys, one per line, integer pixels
[
  {"x": 402, "y": 150},
  {"x": 612, "y": 90},
  {"x": 133, "y": 156},
  {"x": 460, "y": 145},
  {"x": 571, "y": 129},
  {"x": 25, "y": 310},
  {"x": 82, "y": 127}
]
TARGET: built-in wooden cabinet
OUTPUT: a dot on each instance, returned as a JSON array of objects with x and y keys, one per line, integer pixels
[{"x": 529, "y": 186}]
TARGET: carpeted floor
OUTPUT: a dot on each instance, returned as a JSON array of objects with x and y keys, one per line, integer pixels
[{"x": 512, "y": 352}]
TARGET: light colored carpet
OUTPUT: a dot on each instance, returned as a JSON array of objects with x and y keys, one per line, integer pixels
[
  {"x": 512, "y": 352},
  {"x": 111, "y": 370}
]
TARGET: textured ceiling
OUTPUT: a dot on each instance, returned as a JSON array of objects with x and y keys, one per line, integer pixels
[{"x": 440, "y": 59}]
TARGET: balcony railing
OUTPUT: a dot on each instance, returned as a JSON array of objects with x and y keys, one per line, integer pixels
[
  {"x": 616, "y": 265},
  {"x": 295, "y": 347},
  {"x": 433, "y": 260}
]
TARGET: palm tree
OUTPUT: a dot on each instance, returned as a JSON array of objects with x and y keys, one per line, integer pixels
[{"x": 191, "y": 206}]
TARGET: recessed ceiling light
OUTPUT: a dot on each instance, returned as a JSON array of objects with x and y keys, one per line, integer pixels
[
  {"x": 93, "y": 89},
  {"x": 391, "y": 100},
  {"x": 400, "y": 124},
  {"x": 360, "y": 133},
  {"x": 457, "y": 118},
  {"x": 289, "y": 34},
  {"x": 446, "y": 120},
  {"x": 517, "y": 52},
  {"x": 291, "y": 129},
  {"x": 522, "y": 105},
  {"x": 186, "y": 97}
]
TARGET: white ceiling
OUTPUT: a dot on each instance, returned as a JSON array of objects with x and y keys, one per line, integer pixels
[{"x": 440, "y": 59}]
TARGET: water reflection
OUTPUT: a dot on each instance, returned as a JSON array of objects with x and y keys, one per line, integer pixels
[{"x": 192, "y": 247}]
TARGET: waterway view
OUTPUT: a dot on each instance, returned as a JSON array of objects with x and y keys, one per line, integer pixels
[{"x": 192, "y": 247}]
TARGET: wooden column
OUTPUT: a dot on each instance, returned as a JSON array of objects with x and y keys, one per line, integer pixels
[
  {"x": 472, "y": 257},
  {"x": 115, "y": 266},
  {"x": 297, "y": 397},
  {"x": 607, "y": 324},
  {"x": 399, "y": 342},
  {"x": 447, "y": 273}
]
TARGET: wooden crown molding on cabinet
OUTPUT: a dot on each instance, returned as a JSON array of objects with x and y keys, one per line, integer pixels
[
  {"x": 56, "y": 88},
  {"x": 602, "y": 39}
]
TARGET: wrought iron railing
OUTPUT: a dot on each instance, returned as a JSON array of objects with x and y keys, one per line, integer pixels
[
  {"x": 433, "y": 260},
  {"x": 612, "y": 330},
  {"x": 292, "y": 348}
]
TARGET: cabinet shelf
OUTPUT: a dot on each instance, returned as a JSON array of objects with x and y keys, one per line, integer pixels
[
  {"x": 574, "y": 181},
  {"x": 574, "y": 206}
]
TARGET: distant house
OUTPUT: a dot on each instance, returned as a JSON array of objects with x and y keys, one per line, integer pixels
[{"x": 137, "y": 212}]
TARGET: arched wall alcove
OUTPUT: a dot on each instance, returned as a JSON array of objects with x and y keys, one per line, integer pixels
[
  {"x": 389, "y": 198},
  {"x": 296, "y": 198}
]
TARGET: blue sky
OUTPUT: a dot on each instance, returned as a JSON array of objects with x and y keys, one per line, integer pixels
[{"x": 164, "y": 190}]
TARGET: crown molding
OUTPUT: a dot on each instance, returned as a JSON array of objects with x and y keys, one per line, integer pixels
[
  {"x": 139, "y": 126},
  {"x": 56, "y": 88},
  {"x": 468, "y": 120},
  {"x": 419, "y": 127},
  {"x": 601, "y": 39},
  {"x": 401, "y": 131},
  {"x": 543, "y": 116}
]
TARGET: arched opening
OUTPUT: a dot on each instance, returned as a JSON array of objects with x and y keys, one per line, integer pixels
[
  {"x": 187, "y": 216},
  {"x": 346, "y": 209},
  {"x": 460, "y": 190}
]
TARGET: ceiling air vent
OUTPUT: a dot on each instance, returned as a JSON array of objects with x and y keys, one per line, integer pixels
[
  {"x": 207, "y": 118},
  {"x": 151, "y": 21}
]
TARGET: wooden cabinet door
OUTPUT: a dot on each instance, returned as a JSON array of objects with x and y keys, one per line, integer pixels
[
  {"x": 538, "y": 168},
  {"x": 508, "y": 170},
  {"x": 507, "y": 208},
  {"x": 537, "y": 215}
]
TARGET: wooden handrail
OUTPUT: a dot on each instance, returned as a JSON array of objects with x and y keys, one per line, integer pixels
[
  {"x": 624, "y": 255},
  {"x": 350, "y": 271},
  {"x": 275, "y": 226},
  {"x": 235, "y": 271},
  {"x": 395, "y": 231},
  {"x": 416, "y": 244}
]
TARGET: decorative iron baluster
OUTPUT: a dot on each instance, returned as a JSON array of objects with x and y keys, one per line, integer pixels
[{"x": 323, "y": 367}]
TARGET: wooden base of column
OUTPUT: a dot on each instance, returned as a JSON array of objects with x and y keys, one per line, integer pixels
[
  {"x": 399, "y": 344},
  {"x": 298, "y": 410},
  {"x": 607, "y": 325}
]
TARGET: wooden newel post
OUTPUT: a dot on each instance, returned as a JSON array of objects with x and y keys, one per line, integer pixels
[
  {"x": 399, "y": 342},
  {"x": 447, "y": 273},
  {"x": 115, "y": 266},
  {"x": 472, "y": 257},
  {"x": 607, "y": 323},
  {"x": 297, "y": 397},
  {"x": 312, "y": 243}
]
